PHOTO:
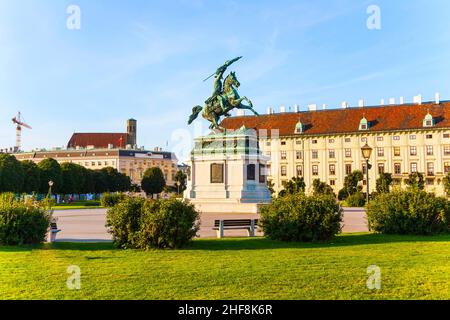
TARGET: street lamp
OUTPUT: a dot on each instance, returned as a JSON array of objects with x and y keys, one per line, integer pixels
[
  {"x": 366, "y": 152},
  {"x": 50, "y": 185}
]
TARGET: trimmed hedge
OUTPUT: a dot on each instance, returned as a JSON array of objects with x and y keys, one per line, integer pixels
[
  {"x": 145, "y": 224},
  {"x": 302, "y": 218},
  {"x": 356, "y": 200},
  {"x": 22, "y": 222},
  {"x": 410, "y": 212}
]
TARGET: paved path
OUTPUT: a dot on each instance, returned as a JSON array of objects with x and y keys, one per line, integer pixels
[{"x": 89, "y": 224}]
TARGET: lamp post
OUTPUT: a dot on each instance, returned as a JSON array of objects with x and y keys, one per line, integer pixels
[
  {"x": 50, "y": 185},
  {"x": 366, "y": 152}
]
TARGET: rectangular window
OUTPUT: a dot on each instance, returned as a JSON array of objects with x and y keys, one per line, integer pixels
[
  {"x": 430, "y": 168},
  {"x": 380, "y": 138},
  {"x": 262, "y": 173},
  {"x": 396, "y": 138},
  {"x": 299, "y": 170},
  {"x": 380, "y": 152},
  {"x": 446, "y": 167},
  {"x": 429, "y": 136},
  {"x": 331, "y": 154},
  {"x": 429, "y": 150},
  {"x": 331, "y": 141},
  {"x": 413, "y": 151},
  {"x": 348, "y": 169},
  {"x": 217, "y": 173},
  {"x": 315, "y": 170},
  {"x": 348, "y": 153},
  {"x": 298, "y": 141},
  {"x": 412, "y": 137},
  {"x": 396, "y": 151},
  {"x": 397, "y": 168},
  {"x": 332, "y": 182},
  {"x": 251, "y": 172},
  {"x": 283, "y": 143},
  {"x": 332, "y": 170},
  {"x": 283, "y": 171},
  {"x": 268, "y": 143},
  {"x": 364, "y": 170},
  {"x": 315, "y": 154},
  {"x": 413, "y": 167},
  {"x": 380, "y": 168},
  {"x": 314, "y": 141},
  {"x": 283, "y": 155},
  {"x": 363, "y": 139},
  {"x": 446, "y": 150},
  {"x": 348, "y": 140},
  {"x": 446, "y": 135},
  {"x": 298, "y": 155}
]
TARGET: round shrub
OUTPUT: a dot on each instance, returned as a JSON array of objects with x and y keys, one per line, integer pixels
[
  {"x": 109, "y": 200},
  {"x": 409, "y": 212},
  {"x": 123, "y": 221},
  {"x": 356, "y": 200},
  {"x": 301, "y": 218},
  {"x": 22, "y": 222},
  {"x": 168, "y": 224}
]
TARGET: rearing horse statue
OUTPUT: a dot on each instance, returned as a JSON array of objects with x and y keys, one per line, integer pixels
[{"x": 224, "y": 99}]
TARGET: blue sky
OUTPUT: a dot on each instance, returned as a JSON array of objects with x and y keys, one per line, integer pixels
[{"x": 147, "y": 60}]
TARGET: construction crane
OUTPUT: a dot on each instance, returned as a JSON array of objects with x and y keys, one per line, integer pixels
[{"x": 20, "y": 123}]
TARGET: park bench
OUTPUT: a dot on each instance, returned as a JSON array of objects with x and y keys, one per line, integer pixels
[
  {"x": 53, "y": 231},
  {"x": 237, "y": 224}
]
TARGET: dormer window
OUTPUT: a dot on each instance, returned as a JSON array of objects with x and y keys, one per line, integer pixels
[
  {"x": 428, "y": 121},
  {"x": 299, "y": 128},
  {"x": 364, "y": 124}
]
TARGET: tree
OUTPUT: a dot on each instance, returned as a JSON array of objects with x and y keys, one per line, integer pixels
[
  {"x": 351, "y": 184},
  {"x": 50, "y": 170},
  {"x": 270, "y": 186},
  {"x": 73, "y": 178},
  {"x": 321, "y": 188},
  {"x": 113, "y": 180},
  {"x": 415, "y": 181},
  {"x": 180, "y": 180},
  {"x": 446, "y": 183},
  {"x": 384, "y": 182},
  {"x": 293, "y": 186},
  {"x": 32, "y": 178},
  {"x": 153, "y": 181},
  {"x": 11, "y": 174}
]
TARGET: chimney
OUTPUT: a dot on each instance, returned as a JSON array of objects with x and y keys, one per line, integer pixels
[
  {"x": 296, "y": 108},
  {"x": 344, "y": 104},
  {"x": 282, "y": 109},
  {"x": 418, "y": 99},
  {"x": 324, "y": 106},
  {"x": 437, "y": 97},
  {"x": 312, "y": 107},
  {"x": 269, "y": 110},
  {"x": 402, "y": 100},
  {"x": 361, "y": 103},
  {"x": 240, "y": 112},
  {"x": 382, "y": 102},
  {"x": 391, "y": 101}
]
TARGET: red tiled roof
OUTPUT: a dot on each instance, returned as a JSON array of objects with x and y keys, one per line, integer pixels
[
  {"x": 98, "y": 140},
  {"x": 339, "y": 121}
]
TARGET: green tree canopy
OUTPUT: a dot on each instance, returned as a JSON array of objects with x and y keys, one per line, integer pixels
[
  {"x": 73, "y": 178},
  {"x": 180, "y": 180},
  {"x": 351, "y": 183},
  {"x": 321, "y": 188},
  {"x": 153, "y": 181},
  {"x": 11, "y": 174},
  {"x": 293, "y": 186},
  {"x": 416, "y": 181},
  {"x": 32, "y": 177},
  {"x": 50, "y": 170},
  {"x": 384, "y": 182}
]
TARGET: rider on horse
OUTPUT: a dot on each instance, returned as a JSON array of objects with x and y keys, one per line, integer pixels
[{"x": 217, "y": 93}]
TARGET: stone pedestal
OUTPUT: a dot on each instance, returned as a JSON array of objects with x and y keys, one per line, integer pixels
[{"x": 227, "y": 173}]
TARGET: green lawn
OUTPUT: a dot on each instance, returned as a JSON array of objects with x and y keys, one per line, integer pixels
[
  {"x": 412, "y": 268},
  {"x": 77, "y": 205}
]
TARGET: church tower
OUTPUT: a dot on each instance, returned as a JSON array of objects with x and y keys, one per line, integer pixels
[{"x": 132, "y": 132}]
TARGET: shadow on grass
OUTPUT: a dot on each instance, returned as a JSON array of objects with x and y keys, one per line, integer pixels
[{"x": 259, "y": 243}]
